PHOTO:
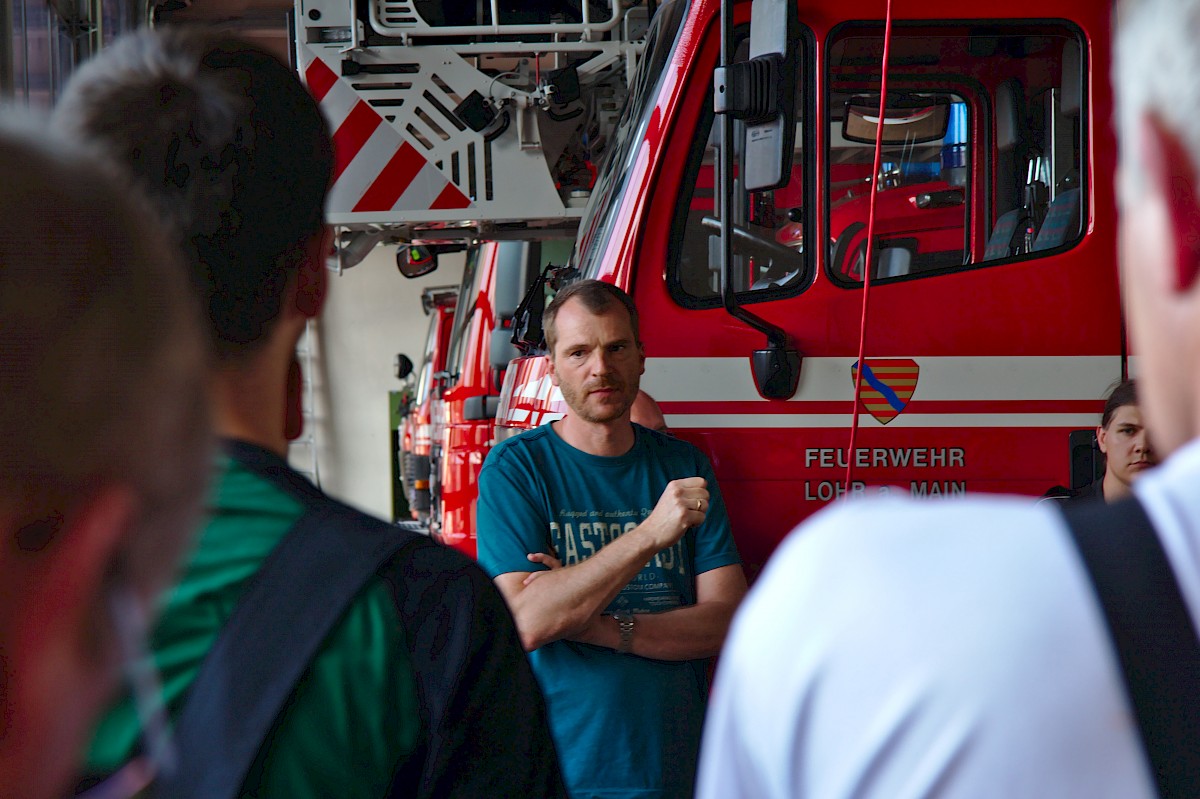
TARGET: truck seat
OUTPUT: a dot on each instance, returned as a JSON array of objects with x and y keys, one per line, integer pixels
[
  {"x": 1062, "y": 221},
  {"x": 999, "y": 244}
]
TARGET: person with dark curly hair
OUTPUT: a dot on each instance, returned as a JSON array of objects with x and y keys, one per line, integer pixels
[{"x": 391, "y": 663}]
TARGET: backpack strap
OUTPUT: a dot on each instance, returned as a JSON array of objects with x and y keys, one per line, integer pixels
[
  {"x": 302, "y": 589},
  {"x": 1152, "y": 632}
]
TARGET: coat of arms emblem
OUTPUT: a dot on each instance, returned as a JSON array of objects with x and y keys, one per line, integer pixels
[{"x": 887, "y": 386}]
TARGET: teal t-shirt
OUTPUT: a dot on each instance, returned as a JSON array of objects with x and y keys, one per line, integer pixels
[
  {"x": 625, "y": 726},
  {"x": 353, "y": 716}
]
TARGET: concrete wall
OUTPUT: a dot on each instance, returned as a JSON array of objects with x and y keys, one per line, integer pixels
[{"x": 373, "y": 313}]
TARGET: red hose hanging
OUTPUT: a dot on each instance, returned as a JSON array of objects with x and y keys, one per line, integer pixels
[{"x": 862, "y": 332}]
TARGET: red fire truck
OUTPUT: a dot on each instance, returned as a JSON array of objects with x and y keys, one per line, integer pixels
[
  {"x": 990, "y": 325},
  {"x": 416, "y": 432},
  {"x": 496, "y": 276}
]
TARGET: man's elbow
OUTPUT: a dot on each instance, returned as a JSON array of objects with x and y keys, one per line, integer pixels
[
  {"x": 531, "y": 640},
  {"x": 537, "y": 628},
  {"x": 536, "y": 636}
]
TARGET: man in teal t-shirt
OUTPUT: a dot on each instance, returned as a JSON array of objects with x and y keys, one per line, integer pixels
[{"x": 612, "y": 546}]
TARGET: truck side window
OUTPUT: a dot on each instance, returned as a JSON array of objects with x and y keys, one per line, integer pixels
[
  {"x": 981, "y": 160},
  {"x": 770, "y": 259},
  {"x": 425, "y": 380},
  {"x": 464, "y": 313}
]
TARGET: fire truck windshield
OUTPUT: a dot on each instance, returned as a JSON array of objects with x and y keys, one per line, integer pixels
[{"x": 597, "y": 222}]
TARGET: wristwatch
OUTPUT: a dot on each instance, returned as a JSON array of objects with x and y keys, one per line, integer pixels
[{"x": 624, "y": 621}]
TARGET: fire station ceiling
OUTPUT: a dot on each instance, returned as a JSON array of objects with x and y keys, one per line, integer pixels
[{"x": 261, "y": 21}]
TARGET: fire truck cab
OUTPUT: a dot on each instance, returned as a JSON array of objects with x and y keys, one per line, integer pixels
[{"x": 994, "y": 323}]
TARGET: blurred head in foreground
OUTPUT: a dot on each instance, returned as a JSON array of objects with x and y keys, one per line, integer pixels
[{"x": 104, "y": 444}]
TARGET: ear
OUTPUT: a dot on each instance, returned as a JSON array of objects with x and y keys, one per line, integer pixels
[
  {"x": 312, "y": 279},
  {"x": 1172, "y": 173},
  {"x": 293, "y": 423},
  {"x": 1102, "y": 439},
  {"x": 553, "y": 371},
  {"x": 63, "y": 645},
  {"x": 68, "y": 577},
  {"x": 641, "y": 358}
]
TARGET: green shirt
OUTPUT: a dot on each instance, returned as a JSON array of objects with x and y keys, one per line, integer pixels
[{"x": 353, "y": 716}]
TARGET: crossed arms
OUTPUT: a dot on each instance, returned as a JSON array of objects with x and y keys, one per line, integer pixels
[{"x": 566, "y": 602}]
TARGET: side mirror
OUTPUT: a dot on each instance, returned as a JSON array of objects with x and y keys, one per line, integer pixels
[
  {"x": 501, "y": 349},
  {"x": 513, "y": 264},
  {"x": 414, "y": 260},
  {"x": 774, "y": 31},
  {"x": 479, "y": 408},
  {"x": 527, "y": 333},
  {"x": 403, "y": 366}
]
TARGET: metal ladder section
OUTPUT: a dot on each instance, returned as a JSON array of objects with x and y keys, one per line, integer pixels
[{"x": 450, "y": 133}]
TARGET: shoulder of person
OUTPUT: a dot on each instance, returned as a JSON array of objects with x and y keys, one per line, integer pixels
[
  {"x": 1059, "y": 492},
  {"x": 941, "y": 612},
  {"x": 419, "y": 557},
  {"x": 925, "y": 570},
  {"x": 680, "y": 451},
  {"x": 1091, "y": 491},
  {"x": 667, "y": 443},
  {"x": 518, "y": 445},
  {"x": 428, "y": 580},
  {"x": 899, "y": 529}
]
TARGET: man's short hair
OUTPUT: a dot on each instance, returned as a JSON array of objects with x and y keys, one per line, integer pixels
[
  {"x": 597, "y": 296},
  {"x": 102, "y": 358},
  {"x": 227, "y": 143}
]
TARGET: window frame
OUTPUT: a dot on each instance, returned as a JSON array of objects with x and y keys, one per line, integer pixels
[
  {"x": 983, "y": 211},
  {"x": 464, "y": 310},
  {"x": 600, "y": 216},
  {"x": 807, "y": 59}
]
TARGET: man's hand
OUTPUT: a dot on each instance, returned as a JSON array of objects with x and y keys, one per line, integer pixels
[
  {"x": 546, "y": 560},
  {"x": 683, "y": 504}
]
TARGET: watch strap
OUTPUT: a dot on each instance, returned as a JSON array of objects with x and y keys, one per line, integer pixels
[{"x": 625, "y": 624}]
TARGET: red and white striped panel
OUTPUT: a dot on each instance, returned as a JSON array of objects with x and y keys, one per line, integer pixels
[{"x": 375, "y": 169}]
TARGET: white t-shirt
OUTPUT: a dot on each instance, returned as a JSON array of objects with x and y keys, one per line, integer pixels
[{"x": 906, "y": 649}]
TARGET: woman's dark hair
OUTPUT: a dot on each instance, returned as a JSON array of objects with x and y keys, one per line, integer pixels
[{"x": 1124, "y": 394}]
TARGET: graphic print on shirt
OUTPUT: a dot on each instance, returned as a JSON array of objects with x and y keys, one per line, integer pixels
[{"x": 579, "y": 534}]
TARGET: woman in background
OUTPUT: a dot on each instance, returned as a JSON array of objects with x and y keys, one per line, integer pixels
[{"x": 1123, "y": 442}]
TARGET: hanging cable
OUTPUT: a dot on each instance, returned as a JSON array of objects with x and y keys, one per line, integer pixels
[{"x": 860, "y": 367}]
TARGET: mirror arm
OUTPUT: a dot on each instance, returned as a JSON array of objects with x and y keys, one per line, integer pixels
[
  {"x": 776, "y": 369},
  {"x": 527, "y": 333}
]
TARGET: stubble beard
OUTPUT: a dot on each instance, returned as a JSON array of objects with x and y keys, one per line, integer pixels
[{"x": 577, "y": 401}]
